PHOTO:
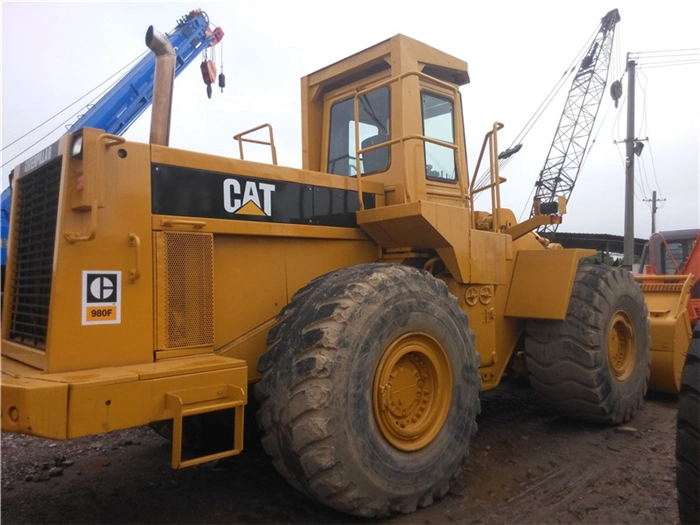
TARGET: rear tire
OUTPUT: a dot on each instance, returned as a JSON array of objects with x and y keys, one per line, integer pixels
[
  {"x": 369, "y": 390},
  {"x": 688, "y": 436},
  {"x": 594, "y": 365}
]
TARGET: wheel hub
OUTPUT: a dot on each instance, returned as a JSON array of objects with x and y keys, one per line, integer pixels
[
  {"x": 412, "y": 391},
  {"x": 621, "y": 346}
]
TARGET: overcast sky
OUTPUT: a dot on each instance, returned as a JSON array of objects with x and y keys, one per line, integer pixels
[{"x": 54, "y": 53}]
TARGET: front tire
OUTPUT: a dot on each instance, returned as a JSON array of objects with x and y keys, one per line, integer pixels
[
  {"x": 369, "y": 390},
  {"x": 594, "y": 365}
]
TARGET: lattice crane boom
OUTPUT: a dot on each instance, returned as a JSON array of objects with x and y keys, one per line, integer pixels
[{"x": 568, "y": 149}]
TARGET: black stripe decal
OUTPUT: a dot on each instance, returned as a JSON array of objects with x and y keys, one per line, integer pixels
[{"x": 189, "y": 192}]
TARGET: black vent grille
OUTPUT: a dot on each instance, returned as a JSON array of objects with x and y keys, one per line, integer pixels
[{"x": 35, "y": 236}]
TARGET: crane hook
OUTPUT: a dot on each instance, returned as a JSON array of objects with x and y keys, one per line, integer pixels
[{"x": 208, "y": 69}]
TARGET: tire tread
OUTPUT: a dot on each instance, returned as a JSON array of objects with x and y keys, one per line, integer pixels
[
  {"x": 567, "y": 361},
  {"x": 688, "y": 436},
  {"x": 296, "y": 432}
]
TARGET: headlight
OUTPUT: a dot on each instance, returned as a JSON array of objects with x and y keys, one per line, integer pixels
[{"x": 76, "y": 147}]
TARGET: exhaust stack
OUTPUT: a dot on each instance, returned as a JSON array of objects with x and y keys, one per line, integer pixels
[{"x": 162, "y": 86}]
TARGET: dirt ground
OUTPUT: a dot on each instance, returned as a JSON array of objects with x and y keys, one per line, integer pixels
[{"x": 526, "y": 465}]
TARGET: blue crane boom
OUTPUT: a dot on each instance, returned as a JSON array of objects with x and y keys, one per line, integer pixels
[{"x": 133, "y": 94}]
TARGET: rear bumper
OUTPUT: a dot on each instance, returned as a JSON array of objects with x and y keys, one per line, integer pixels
[{"x": 75, "y": 404}]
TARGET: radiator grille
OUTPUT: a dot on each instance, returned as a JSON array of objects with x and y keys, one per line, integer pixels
[
  {"x": 188, "y": 309},
  {"x": 33, "y": 251}
]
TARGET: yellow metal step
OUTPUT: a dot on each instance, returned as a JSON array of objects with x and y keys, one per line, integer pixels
[{"x": 204, "y": 400}]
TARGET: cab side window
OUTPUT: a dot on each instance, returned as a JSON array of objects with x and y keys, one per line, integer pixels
[
  {"x": 438, "y": 123},
  {"x": 374, "y": 129},
  {"x": 676, "y": 253}
]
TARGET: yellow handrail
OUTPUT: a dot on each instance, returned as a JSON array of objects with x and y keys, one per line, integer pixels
[
  {"x": 491, "y": 138},
  {"x": 135, "y": 242},
  {"x": 72, "y": 237},
  {"x": 462, "y": 172},
  {"x": 271, "y": 143}
]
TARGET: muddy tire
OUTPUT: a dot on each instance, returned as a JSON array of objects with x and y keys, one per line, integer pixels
[
  {"x": 688, "y": 436},
  {"x": 369, "y": 390},
  {"x": 594, "y": 365}
]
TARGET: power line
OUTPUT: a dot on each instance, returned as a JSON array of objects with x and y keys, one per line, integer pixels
[
  {"x": 35, "y": 129},
  {"x": 653, "y": 165},
  {"x": 643, "y": 88},
  {"x": 669, "y": 64},
  {"x": 570, "y": 70},
  {"x": 674, "y": 52},
  {"x": 650, "y": 59}
]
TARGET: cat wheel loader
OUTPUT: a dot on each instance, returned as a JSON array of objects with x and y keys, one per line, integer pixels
[{"x": 363, "y": 299}]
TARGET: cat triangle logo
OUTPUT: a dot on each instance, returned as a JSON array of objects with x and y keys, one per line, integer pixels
[
  {"x": 248, "y": 197},
  {"x": 251, "y": 209}
]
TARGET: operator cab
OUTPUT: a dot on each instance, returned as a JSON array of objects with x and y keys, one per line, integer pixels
[
  {"x": 667, "y": 253},
  {"x": 390, "y": 113}
]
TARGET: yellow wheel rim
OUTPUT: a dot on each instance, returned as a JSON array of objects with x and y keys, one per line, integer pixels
[
  {"x": 621, "y": 346},
  {"x": 412, "y": 391}
]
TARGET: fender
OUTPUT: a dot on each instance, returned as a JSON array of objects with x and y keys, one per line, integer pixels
[{"x": 542, "y": 283}]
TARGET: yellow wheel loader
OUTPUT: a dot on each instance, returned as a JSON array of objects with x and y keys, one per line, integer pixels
[
  {"x": 363, "y": 296},
  {"x": 669, "y": 275}
]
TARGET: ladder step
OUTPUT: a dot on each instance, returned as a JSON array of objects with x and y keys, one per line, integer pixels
[{"x": 204, "y": 400}]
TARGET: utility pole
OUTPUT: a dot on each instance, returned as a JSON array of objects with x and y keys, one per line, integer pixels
[
  {"x": 628, "y": 257},
  {"x": 654, "y": 200}
]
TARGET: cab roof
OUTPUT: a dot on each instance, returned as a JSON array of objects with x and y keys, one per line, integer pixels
[{"x": 399, "y": 53}]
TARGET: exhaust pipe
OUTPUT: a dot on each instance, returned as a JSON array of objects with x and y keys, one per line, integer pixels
[{"x": 162, "y": 86}]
